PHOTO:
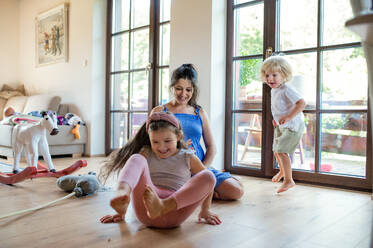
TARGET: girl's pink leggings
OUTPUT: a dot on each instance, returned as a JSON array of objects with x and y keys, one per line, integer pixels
[{"x": 136, "y": 174}]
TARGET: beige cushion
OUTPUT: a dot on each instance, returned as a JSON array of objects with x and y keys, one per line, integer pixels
[
  {"x": 8, "y": 92},
  {"x": 17, "y": 103},
  {"x": 42, "y": 102},
  {"x": 20, "y": 88},
  {"x": 2, "y": 105}
]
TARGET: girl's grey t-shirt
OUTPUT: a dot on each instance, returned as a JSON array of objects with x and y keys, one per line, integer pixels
[{"x": 172, "y": 172}]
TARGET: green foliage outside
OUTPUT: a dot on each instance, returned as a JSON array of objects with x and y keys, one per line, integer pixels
[
  {"x": 251, "y": 43},
  {"x": 331, "y": 122}
]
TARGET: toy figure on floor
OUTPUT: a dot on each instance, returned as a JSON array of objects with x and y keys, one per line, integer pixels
[
  {"x": 80, "y": 184},
  {"x": 32, "y": 137}
]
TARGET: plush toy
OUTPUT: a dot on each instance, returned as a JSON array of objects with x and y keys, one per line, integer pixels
[
  {"x": 61, "y": 120},
  {"x": 82, "y": 184},
  {"x": 75, "y": 131},
  {"x": 35, "y": 113},
  {"x": 33, "y": 137},
  {"x": 73, "y": 119}
]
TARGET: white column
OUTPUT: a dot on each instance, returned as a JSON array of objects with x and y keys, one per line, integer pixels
[{"x": 198, "y": 37}]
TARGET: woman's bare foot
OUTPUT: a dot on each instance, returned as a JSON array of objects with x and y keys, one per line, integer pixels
[
  {"x": 155, "y": 206},
  {"x": 276, "y": 178},
  {"x": 285, "y": 186},
  {"x": 216, "y": 196}
]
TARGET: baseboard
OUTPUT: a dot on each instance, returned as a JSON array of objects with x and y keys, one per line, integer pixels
[{"x": 94, "y": 155}]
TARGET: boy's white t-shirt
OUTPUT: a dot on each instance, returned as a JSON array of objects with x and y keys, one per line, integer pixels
[{"x": 283, "y": 100}]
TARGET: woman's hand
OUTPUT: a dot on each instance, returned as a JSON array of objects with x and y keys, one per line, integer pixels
[
  {"x": 111, "y": 218},
  {"x": 209, "y": 217}
]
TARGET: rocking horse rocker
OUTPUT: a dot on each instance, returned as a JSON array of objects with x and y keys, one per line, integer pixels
[{"x": 32, "y": 137}]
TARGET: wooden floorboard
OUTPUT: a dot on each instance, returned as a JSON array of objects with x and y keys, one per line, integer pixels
[{"x": 307, "y": 216}]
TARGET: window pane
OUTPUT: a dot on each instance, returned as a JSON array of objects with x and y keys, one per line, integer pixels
[
  {"x": 343, "y": 140},
  {"x": 304, "y": 156},
  {"x": 137, "y": 119},
  {"x": 164, "y": 82},
  {"x": 248, "y": 30},
  {"x": 140, "y": 49},
  {"x": 336, "y": 12},
  {"x": 139, "y": 92},
  {"x": 164, "y": 44},
  {"x": 119, "y": 52},
  {"x": 247, "y": 140},
  {"x": 140, "y": 13},
  {"x": 121, "y": 9},
  {"x": 118, "y": 130},
  {"x": 298, "y": 24},
  {"x": 165, "y": 10},
  {"x": 304, "y": 76},
  {"x": 119, "y": 91},
  {"x": 247, "y": 85},
  {"x": 345, "y": 79}
]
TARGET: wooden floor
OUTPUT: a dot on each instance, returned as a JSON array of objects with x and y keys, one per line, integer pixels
[{"x": 305, "y": 217}]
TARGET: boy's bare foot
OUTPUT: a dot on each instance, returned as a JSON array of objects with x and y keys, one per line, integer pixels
[
  {"x": 276, "y": 178},
  {"x": 155, "y": 206},
  {"x": 285, "y": 186}
]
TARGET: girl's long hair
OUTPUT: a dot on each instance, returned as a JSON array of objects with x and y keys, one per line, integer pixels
[{"x": 118, "y": 158}]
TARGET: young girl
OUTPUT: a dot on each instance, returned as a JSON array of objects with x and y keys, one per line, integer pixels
[
  {"x": 195, "y": 124},
  {"x": 288, "y": 120},
  {"x": 155, "y": 173}
]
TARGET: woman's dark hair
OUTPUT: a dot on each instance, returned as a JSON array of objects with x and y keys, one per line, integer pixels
[
  {"x": 187, "y": 72},
  {"x": 118, "y": 158}
]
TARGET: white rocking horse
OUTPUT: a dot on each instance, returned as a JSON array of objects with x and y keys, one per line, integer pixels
[{"x": 33, "y": 136}]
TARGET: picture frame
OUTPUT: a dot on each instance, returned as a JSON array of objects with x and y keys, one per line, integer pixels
[{"x": 51, "y": 41}]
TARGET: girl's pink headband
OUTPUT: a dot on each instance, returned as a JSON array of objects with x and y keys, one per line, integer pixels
[{"x": 162, "y": 116}]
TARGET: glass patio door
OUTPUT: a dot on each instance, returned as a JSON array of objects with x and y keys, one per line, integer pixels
[
  {"x": 329, "y": 71},
  {"x": 138, "y": 55},
  {"x": 245, "y": 91}
]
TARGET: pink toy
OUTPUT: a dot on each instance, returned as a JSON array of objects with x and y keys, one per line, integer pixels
[
  {"x": 324, "y": 167},
  {"x": 41, "y": 171}
]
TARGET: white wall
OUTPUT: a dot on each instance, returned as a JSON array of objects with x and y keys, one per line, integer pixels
[
  {"x": 98, "y": 78},
  {"x": 9, "y": 16},
  {"x": 198, "y": 37},
  {"x": 81, "y": 81},
  {"x": 217, "y": 83}
]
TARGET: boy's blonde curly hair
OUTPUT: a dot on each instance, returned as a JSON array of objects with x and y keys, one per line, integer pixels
[{"x": 277, "y": 63}]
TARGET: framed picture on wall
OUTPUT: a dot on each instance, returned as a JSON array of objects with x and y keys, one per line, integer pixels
[{"x": 52, "y": 36}]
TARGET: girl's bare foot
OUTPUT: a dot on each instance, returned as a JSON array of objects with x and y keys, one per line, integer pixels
[
  {"x": 285, "y": 186},
  {"x": 276, "y": 178},
  {"x": 155, "y": 206},
  {"x": 120, "y": 204}
]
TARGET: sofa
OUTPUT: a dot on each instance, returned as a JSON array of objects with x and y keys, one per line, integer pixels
[{"x": 64, "y": 143}]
